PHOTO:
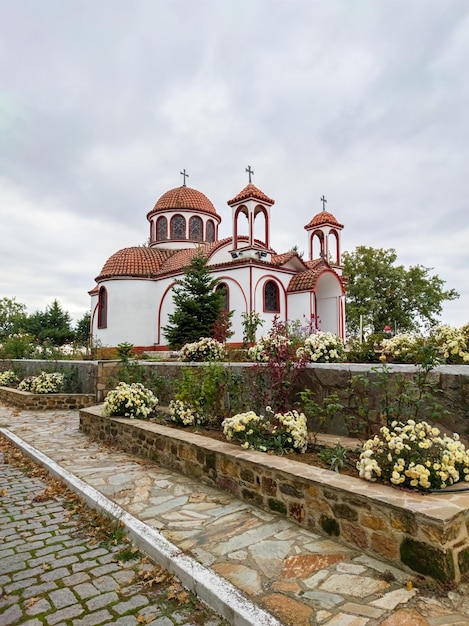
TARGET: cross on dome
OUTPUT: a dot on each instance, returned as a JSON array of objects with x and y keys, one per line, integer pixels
[{"x": 184, "y": 175}]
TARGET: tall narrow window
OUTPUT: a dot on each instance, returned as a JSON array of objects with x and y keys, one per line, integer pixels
[
  {"x": 102, "y": 308},
  {"x": 161, "y": 228},
  {"x": 271, "y": 297},
  {"x": 178, "y": 227},
  {"x": 223, "y": 288},
  {"x": 210, "y": 233},
  {"x": 195, "y": 228}
]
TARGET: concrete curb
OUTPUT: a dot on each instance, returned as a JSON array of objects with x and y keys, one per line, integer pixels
[{"x": 212, "y": 589}]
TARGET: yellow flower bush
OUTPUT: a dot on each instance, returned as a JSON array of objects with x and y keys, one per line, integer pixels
[
  {"x": 277, "y": 432},
  {"x": 414, "y": 455},
  {"x": 8, "y": 378},
  {"x": 184, "y": 414},
  {"x": 44, "y": 382},
  {"x": 130, "y": 400}
]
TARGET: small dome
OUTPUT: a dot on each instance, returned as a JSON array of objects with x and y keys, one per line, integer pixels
[
  {"x": 251, "y": 191},
  {"x": 183, "y": 198},
  {"x": 324, "y": 217},
  {"x": 136, "y": 262}
]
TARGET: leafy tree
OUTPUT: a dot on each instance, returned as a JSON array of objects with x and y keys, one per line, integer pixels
[
  {"x": 12, "y": 317},
  {"x": 197, "y": 304},
  {"x": 388, "y": 294}
]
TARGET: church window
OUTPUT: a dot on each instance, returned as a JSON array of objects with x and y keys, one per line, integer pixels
[
  {"x": 223, "y": 287},
  {"x": 210, "y": 236},
  {"x": 271, "y": 297},
  {"x": 178, "y": 227},
  {"x": 102, "y": 308},
  {"x": 195, "y": 228},
  {"x": 161, "y": 229}
]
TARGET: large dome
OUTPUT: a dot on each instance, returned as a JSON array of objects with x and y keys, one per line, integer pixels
[{"x": 183, "y": 198}]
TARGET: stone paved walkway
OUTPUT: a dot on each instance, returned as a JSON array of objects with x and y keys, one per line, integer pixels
[{"x": 301, "y": 578}]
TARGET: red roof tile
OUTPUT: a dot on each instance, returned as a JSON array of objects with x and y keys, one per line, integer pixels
[
  {"x": 136, "y": 262},
  {"x": 324, "y": 217},
  {"x": 183, "y": 198},
  {"x": 251, "y": 191}
]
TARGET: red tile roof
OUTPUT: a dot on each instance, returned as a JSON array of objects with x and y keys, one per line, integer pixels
[
  {"x": 136, "y": 262},
  {"x": 183, "y": 198},
  {"x": 251, "y": 191},
  {"x": 324, "y": 217}
]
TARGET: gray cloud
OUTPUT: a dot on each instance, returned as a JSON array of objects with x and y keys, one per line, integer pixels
[{"x": 103, "y": 103}]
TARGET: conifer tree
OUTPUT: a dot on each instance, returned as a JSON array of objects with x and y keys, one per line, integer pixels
[{"x": 197, "y": 304}]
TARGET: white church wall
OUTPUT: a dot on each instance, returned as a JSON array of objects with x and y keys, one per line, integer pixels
[
  {"x": 300, "y": 307},
  {"x": 328, "y": 302},
  {"x": 222, "y": 255},
  {"x": 130, "y": 313}
]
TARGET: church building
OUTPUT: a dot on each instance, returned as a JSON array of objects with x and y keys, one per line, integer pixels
[{"x": 132, "y": 298}]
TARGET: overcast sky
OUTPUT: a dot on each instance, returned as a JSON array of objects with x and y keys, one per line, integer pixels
[{"x": 104, "y": 102}]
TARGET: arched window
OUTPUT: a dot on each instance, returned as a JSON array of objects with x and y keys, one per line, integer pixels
[
  {"x": 161, "y": 228},
  {"x": 178, "y": 227},
  {"x": 271, "y": 297},
  {"x": 102, "y": 308},
  {"x": 223, "y": 288},
  {"x": 210, "y": 232},
  {"x": 195, "y": 228}
]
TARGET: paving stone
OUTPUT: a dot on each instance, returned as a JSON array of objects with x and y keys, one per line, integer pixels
[
  {"x": 62, "y": 597},
  {"x": 245, "y": 578},
  {"x": 343, "y": 619},
  {"x": 352, "y": 585},
  {"x": 405, "y": 617},
  {"x": 291, "y": 612},
  {"x": 391, "y": 599}
]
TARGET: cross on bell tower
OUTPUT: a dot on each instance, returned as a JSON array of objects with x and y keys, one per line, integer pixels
[
  {"x": 250, "y": 172},
  {"x": 323, "y": 200}
]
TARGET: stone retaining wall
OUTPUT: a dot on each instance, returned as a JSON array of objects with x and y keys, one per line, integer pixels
[
  {"x": 98, "y": 377},
  {"x": 46, "y": 401},
  {"x": 428, "y": 534}
]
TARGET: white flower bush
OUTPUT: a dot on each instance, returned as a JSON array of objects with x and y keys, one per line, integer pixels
[
  {"x": 184, "y": 414},
  {"x": 403, "y": 347},
  {"x": 322, "y": 347},
  {"x": 206, "y": 349},
  {"x": 45, "y": 382},
  {"x": 8, "y": 379},
  {"x": 279, "y": 432},
  {"x": 269, "y": 346},
  {"x": 130, "y": 400},
  {"x": 452, "y": 343},
  {"x": 414, "y": 455}
]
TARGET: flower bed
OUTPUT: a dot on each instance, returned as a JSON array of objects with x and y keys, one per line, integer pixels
[
  {"x": 428, "y": 534},
  {"x": 46, "y": 401}
]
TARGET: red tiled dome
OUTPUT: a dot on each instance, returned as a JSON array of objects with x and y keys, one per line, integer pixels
[
  {"x": 183, "y": 198},
  {"x": 136, "y": 262},
  {"x": 251, "y": 191},
  {"x": 324, "y": 217}
]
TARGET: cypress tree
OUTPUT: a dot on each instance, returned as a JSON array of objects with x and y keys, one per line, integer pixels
[{"x": 197, "y": 304}]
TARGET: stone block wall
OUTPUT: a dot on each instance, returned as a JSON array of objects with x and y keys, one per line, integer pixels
[
  {"x": 452, "y": 381},
  {"x": 428, "y": 534},
  {"x": 46, "y": 401}
]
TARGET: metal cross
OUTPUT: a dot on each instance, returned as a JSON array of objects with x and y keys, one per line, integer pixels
[
  {"x": 250, "y": 172},
  {"x": 323, "y": 200},
  {"x": 185, "y": 176}
]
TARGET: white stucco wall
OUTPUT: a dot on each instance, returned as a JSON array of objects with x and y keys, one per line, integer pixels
[{"x": 130, "y": 313}]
